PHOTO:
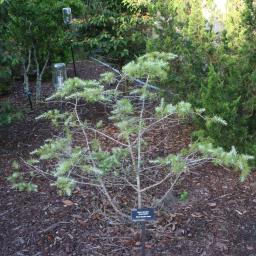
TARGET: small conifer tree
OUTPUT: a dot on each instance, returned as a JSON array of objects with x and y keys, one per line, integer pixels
[{"x": 119, "y": 157}]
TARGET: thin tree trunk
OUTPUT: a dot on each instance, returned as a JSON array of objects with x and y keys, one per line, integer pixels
[
  {"x": 38, "y": 89},
  {"x": 138, "y": 169},
  {"x": 39, "y": 74},
  {"x": 26, "y": 81},
  {"x": 25, "y": 72}
]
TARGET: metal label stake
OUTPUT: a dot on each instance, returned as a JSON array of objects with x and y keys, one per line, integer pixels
[
  {"x": 142, "y": 215},
  {"x": 29, "y": 94},
  {"x": 73, "y": 58},
  {"x": 143, "y": 238}
]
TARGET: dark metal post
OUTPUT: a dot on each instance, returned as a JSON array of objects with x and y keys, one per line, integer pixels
[
  {"x": 30, "y": 101},
  {"x": 143, "y": 238},
  {"x": 29, "y": 94},
  {"x": 73, "y": 58},
  {"x": 142, "y": 215}
]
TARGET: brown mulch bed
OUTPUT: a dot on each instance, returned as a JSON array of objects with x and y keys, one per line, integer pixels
[{"x": 217, "y": 219}]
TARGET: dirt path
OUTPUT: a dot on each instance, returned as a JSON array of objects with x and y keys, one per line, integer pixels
[{"x": 217, "y": 219}]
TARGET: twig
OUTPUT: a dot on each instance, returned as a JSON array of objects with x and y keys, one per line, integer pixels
[
  {"x": 55, "y": 225},
  {"x": 170, "y": 189},
  {"x": 110, "y": 199},
  {"x": 105, "y": 135},
  {"x": 45, "y": 174},
  {"x": 6, "y": 212},
  {"x": 158, "y": 183}
]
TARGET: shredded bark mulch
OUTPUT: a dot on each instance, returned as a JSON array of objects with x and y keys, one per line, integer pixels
[{"x": 217, "y": 219}]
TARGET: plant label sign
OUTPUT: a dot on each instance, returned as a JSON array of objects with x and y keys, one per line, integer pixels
[{"x": 143, "y": 214}]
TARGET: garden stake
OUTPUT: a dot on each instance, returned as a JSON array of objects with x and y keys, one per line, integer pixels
[
  {"x": 143, "y": 238},
  {"x": 73, "y": 58},
  {"x": 142, "y": 215}
]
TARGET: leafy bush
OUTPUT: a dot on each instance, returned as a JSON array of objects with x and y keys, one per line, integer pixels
[
  {"x": 8, "y": 61},
  {"x": 220, "y": 96},
  {"x": 230, "y": 89},
  {"x": 5, "y": 80},
  {"x": 7, "y": 58},
  {"x": 116, "y": 30}
]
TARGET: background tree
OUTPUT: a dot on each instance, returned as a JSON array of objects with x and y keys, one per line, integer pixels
[
  {"x": 186, "y": 35},
  {"x": 7, "y": 59},
  {"x": 234, "y": 28},
  {"x": 114, "y": 28},
  {"x": 39, "y": 34},
  {"x": 196, "y": 22}
]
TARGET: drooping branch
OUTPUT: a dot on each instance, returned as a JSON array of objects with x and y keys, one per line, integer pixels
[
  {"x": 104, "y": 189},
  {"x": 157, "y": 183},
  {"x": 159, "y": 202}
]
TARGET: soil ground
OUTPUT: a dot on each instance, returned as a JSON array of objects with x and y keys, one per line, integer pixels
[{"x": 218, "y": 219}]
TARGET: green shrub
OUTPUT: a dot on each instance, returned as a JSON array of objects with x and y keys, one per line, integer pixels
[
  {"x": 8, "y": 113},
  {"x": 5, "y": 80},
  {"x": 175, "y": 31},
  {"x": 212, "y": 72},
  {"x": 7, "y": 58}
]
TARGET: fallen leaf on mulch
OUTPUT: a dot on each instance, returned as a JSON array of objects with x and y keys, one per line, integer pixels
[
  {"x": 249, "y": 248},
  {"x": 222, "y": 246},
  {"x": 50, "y": 237},
  {"x": 197, "y": 215},
  {"x": 96, "y": 216},
  {"x": 81, "y": 222},
  {"x": 148, "y": 245},
  {"x": 67, "y": 202}
]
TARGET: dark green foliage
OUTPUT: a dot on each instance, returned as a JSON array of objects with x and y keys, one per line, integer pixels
[
  {"x": 5, "y": 79},
  {"x": 248, "y": 57},
  {"x": 39, "y": 24},
  {"x": 114, "y": 29},
  {"x": 220, "y": 96},
  {"x": 8, "y": 113},
  {"x": 230, "y": 91},
  {"x": 175, "y": 31},
  {"x": 7, "y": 59},
  {"x": 213, "y": 72}
]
